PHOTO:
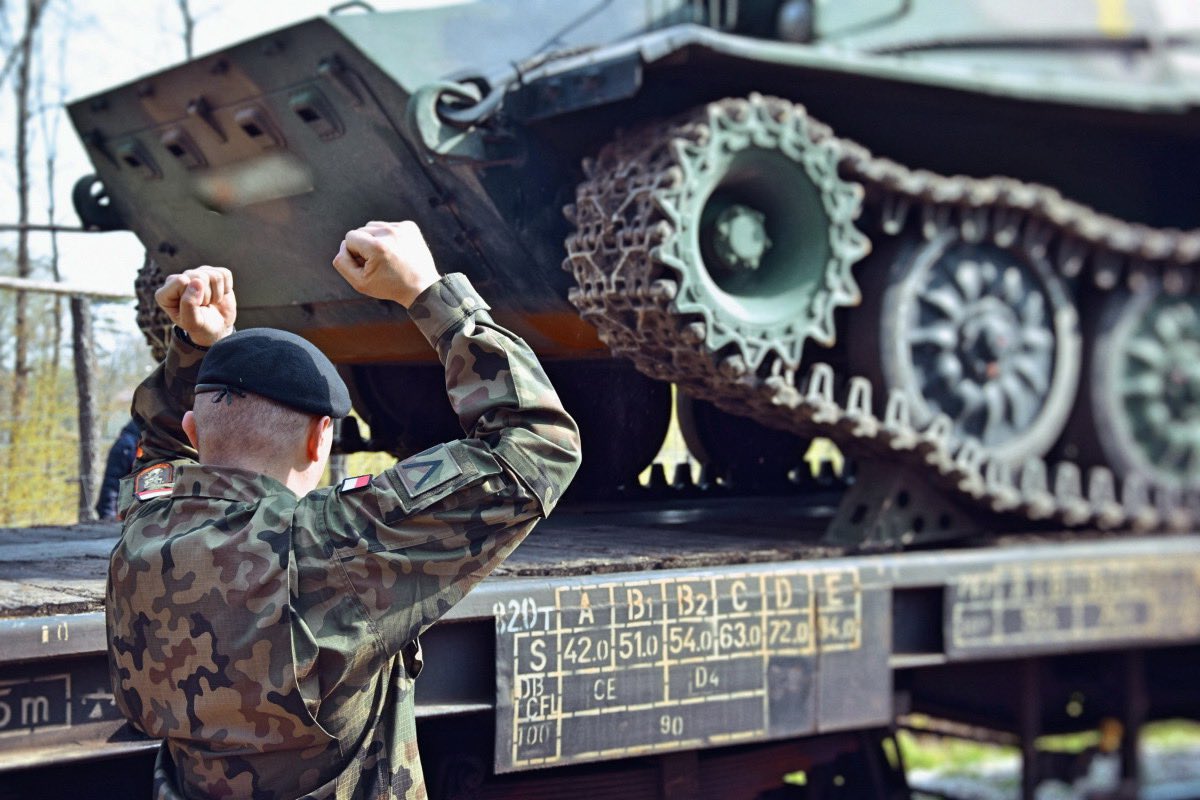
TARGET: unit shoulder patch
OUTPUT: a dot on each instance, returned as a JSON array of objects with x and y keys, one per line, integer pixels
[
  {"x": 154, "y": 481},
  {"x": 428, "y": 470}
]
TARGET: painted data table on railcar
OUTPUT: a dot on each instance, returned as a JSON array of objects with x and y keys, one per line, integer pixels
[{"x": 591, "y": 669}]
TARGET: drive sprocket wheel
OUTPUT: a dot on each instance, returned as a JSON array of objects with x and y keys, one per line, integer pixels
[
  {"x": 986, "y": 334},
  {"x": 743, "y": 210},
  {"x": 1145, "y": 386},
  {"x": 152, "y": 321}
]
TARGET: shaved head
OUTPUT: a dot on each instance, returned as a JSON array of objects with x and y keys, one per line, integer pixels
[{"x": 247, "y": 429}]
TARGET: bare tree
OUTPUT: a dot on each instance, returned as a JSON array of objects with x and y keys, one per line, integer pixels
[
  {"x": 85, "y": 368},
  {"x": 21, "y": 366},
  {"x": 189, "y": 26},
  {"x": 6, "y": 45},
  {"x": 50, "y": 116},
  {"x": 81, "y": 307}
]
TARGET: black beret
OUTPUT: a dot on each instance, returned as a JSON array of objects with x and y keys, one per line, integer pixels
[{"x": 278, "y": 365}]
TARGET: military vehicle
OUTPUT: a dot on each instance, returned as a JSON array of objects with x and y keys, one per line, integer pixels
[{"x": 957, "y": 237}]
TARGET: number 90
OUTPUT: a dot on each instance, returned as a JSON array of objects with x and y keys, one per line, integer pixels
[{"x": 670, "y": 725}]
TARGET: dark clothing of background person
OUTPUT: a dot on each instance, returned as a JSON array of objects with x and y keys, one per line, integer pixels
[{"x": 118, "y": 465}]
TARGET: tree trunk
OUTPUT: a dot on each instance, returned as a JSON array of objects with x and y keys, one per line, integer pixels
[
  {"x": 51, "y": 113},
  {"x": 56, "y": 348},
  {"x": 81, "y": 340},
  {"x": 51, "y": 209},
  {"x": 21, "y": 367},
  {"x": 21, "y": 330}
]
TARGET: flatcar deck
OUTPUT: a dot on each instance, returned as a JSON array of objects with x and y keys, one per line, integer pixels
[
  {"x": 54, "y": 570},
  {"x": 61, "y": 569},
  {"x": 741, "y": 589}
]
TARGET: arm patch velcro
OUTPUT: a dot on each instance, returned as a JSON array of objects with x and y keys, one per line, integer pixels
[{"x": 428, "y": 470}]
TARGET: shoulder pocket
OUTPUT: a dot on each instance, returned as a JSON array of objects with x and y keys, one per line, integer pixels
[{"x": 434, "y": 474}]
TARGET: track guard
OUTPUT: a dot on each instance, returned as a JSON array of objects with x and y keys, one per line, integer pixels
[{"x": 888, "y": 507}]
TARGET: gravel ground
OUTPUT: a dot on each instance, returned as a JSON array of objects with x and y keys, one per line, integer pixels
[{"x": 1168, "y": 774}]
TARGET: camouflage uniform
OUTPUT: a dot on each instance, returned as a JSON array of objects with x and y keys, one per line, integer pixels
[{"x": 271, "y": 640}]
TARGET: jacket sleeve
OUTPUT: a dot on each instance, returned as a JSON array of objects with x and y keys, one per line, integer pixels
[
  {"x": 418, "y": 537},
  {"x": 159, "y": 404}
]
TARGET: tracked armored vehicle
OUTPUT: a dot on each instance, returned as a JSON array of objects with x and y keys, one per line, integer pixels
[{"x": 958, "y": 238}]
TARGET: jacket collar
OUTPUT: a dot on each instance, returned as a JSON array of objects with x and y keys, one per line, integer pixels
[{"x": 226, "y": 483}]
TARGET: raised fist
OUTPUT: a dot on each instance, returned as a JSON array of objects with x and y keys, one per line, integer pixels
[
  {"x": 387, "y": 260},
  {"x": 201, "y": 302}
]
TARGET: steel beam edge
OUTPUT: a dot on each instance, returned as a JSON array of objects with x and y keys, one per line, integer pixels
[
  {"x": 25, "y": 639},
  {"x": 913, "y": 569}
]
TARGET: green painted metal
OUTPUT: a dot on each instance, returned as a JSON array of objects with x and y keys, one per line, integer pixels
[
  {"x": 739, "y": 237},
  {"x": 1130, "y": 53},
  {"x": 1158, "y": 381},
  {"x": 419, "y": 46},
  {"x": 773, "y": 277},
  {"x": 986, "y": 335}
]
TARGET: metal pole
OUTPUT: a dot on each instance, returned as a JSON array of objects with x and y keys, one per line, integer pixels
[
  {"x": 18, "y": 227},
  {"x": 1134, "y": 716},
  {"x": 1029, "y": 717}
]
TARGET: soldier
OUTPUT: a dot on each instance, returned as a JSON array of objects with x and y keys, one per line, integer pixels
[{"x": 267, "y": 630}]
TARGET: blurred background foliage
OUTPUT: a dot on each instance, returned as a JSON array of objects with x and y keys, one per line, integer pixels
[{"x": 39, "y": 446}]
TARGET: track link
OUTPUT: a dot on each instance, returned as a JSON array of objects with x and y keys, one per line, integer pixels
[
  {"x": 628, "y": 291},
  {"x": 152, "y": 321}
]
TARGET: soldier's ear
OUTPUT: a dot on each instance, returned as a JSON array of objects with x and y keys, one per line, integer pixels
[
  {"x": 320, "y": 438},
  {"x": 189, "y": 428}
]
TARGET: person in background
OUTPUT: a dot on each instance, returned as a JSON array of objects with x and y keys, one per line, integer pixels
[{"x": 118, "y": 465}]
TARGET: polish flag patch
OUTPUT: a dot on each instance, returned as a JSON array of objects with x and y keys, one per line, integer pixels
[{"x": 354, "y": 484}]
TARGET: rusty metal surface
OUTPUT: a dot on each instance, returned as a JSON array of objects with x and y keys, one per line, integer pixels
[{"x": 589, "y": 540}]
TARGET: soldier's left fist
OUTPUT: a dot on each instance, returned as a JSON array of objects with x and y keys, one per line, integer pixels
[
  {"x": 387, "y": 260},
  {"x": 201, "y": 302}
]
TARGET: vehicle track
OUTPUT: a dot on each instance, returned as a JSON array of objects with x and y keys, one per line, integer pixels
[{"x": 629, "y": 286}]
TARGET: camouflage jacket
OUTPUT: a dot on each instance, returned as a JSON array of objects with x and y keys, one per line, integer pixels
[{"x": 271, "y": 640}]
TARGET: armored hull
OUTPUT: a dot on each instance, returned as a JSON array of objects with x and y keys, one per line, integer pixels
[{"x": 956, "y": 238}]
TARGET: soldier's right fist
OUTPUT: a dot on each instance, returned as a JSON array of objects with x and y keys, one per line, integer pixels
[
  {"x": 201, "y": 302},
  {"x": 387, "y": 260}
]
